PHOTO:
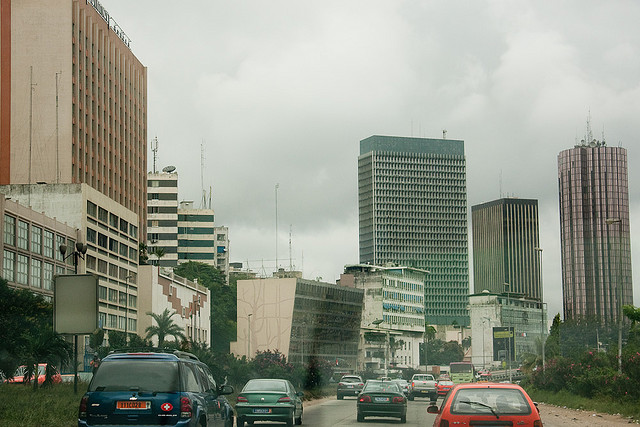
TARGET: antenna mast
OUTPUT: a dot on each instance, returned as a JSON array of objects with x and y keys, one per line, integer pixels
[
  {"x": 154, "y": 149},
  {"x": 204, "y": 193},
  {"x": 290, "y": 257}
]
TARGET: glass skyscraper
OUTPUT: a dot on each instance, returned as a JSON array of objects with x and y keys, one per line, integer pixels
[
  {"x": 413, "y": 212},
  {"x": 505, "y": 247},
  {"x": 594, "y": 227}
]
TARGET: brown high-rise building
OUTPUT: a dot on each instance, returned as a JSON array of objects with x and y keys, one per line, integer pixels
[
  {"x": 594, "y": 227},
  {"x": 73, "y": 101}
]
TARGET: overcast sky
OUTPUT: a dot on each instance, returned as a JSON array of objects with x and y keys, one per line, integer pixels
[{"x": 283, "y": 91}]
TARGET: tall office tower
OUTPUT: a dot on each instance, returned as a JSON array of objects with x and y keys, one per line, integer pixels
[
  {"x": 200, "y": 240},
  {"x": 506, "y": 247},
  {"x": 412, "y": 199},
  {"x": 162, "y": 217},
  {"x": 73, "y": 101},
  {"x": 594, "y": 230}
]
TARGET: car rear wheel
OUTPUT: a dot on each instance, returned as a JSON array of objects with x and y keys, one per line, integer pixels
[
  {"x": 299, "y": 419},
  {"x": 411, "y": 397},
  {"x": 292, "y": 420},
  {"x": 360, "y": 417},
  {"x": 240, "y": 422},
  {"x": 340, "y": 397},
  {"x": 403, "y": 419}
]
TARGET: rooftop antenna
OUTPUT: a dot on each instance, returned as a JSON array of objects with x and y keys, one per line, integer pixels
[
  {"x": 277, "y": 186},
  {"x": 154, "y": 148},
  {"x": 290, "y": 257},
  {"x": 589, "y": 133},
  {"x": 500, "y": 179},
  {"x": 204, "y": 193}
]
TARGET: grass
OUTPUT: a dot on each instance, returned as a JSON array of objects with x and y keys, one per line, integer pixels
[
  {"x": 602, "y": 404},
  {"x": 54, "y": 406},
  {"x": 57, "y": 406}
]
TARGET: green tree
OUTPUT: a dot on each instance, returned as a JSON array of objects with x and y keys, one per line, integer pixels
[
  {"x": 552, "y": 345},
  {"x": 143, "y": 256},
  {"x": 164, "y": 327},
  {"x": 223, "y": 312},
  {"x": 46, "y": 346}
]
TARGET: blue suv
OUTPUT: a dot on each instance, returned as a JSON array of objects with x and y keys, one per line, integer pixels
[{"x": 169, "y": 389}]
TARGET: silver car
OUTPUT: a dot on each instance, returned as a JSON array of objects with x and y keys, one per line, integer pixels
[{"x": 349, "y": 385}]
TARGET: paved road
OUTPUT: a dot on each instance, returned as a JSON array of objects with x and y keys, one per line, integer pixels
[{"x": 343, "y": 413}]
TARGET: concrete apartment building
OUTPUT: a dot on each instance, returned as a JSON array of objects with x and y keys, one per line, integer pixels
[
  {"x": 73, "y": 101},
  {"x": 412, "y": 201},
  {"x": 493, "y": 314},
  {"x": 594, "y": 230},
  {"x": 506, "y": 247},
  {"x": 110, "y": 232},
  {"x": 30, "y": 248},
  {"x": 393, "y": 307},
  {"x": 162, "y": 217},
  {"x": 300, "y": 318},
  {"x": 160, "y": 289}
]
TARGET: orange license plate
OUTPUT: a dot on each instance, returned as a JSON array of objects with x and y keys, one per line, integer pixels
[{"x": 133, "y": 404}]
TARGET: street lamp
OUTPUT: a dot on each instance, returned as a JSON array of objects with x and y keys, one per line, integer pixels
[
  {"x": 249, "y": 336},
  {"x": 542, "y": 311},
  {"x": 611, "y": 221},
  {"x": 507, "y": 285}
]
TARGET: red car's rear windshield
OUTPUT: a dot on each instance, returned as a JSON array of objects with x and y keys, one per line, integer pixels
[{"x": 501, "y": 401}]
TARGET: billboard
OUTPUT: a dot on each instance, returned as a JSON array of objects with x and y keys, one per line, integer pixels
[
  {"x": 504, "y": 344},
  {"x": 75, "y": 304}
]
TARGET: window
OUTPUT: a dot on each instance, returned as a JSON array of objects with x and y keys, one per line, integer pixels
[
  {"x": 9, "y": 230},
  {"x": 113, "y": 220},
  {"x": 133, "y": 324},
  {"x": 113, "y": 295},
  {"x": 103, "y": 240},
  {"x": 102, "y": 292},
  {"x": 36, "y": 240},
  {"x": 133, "y": 301},
  {"x": 124, "y": 225},
  {"x": 92, "y": 209},
  {"x": 47, "y": 276},
  {"x": 91, "y": 235},
  {"x": 103, "y": 215},
  {"x": 102, "y": 320},
  {"x": 102, "y": 266},
  {"x": 60, "y": 269},
  {"x": 121, "y": 322},
  {"x": 22, "y": 270},
  {"x": 124, "y": 249},
  {"x": 36, "y": 273},
  {"x": 8, "y": 265},
  {"x": 113, "y": 270},
  {"x": 113, "y": 321},
  {"x": 60, "y": 240},
  {"x": 91, "y": 262},
  {"x": 113, "y": 245},
  {"x": 23, "y": 235},
  {"x": 48, "y": 244},
  {"x": 122, "y": 298}
]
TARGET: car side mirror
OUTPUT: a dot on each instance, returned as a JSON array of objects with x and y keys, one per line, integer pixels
[
  {"x": 536, "y": 405},
  {"x": 225, "y": 389},
  {"x": 299, "y": 393},
  {"x": 433, "y": 409}
]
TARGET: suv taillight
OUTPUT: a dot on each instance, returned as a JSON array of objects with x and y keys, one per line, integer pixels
[
  {"x": 82, "y": 412},
  {"x": 185, "y": 407}
]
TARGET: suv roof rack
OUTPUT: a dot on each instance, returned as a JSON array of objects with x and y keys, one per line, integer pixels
[{"x": 177, "y": 353}]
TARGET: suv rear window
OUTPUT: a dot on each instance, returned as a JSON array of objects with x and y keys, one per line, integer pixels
[
  {"x": 140, "y": 375},
  {"x": 351, "y": 379}
]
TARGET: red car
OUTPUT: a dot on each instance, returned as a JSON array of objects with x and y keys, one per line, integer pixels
[
  {"x": 443, "y": 387},
  {"x": 484, "y": 403},
  {"x": 18, "y": 378}
]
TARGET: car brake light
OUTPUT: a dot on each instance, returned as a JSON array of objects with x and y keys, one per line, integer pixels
[
  {"x": 361, "y": 384},
  {"x": 398, "y": 399},
  {"x": 82, "y": 412},
  {"x": 241, "y": 399},
  {"x": 284, "y": 399},
  {"x": 365, "y": 399},
  {"x": 340, "y": 383},
  {"x": 185, "y": 407},
  {"x": 413, "y": 384}
]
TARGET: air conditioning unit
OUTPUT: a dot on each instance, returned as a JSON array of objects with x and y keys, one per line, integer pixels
[{"x": 170, "y": 291}]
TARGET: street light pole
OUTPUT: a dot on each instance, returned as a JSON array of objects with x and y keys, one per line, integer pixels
[
  {"x": 542, "y": 311},
  {"x": 508, "y": 330},
  {"x": 618, "y": 221},
  {"x": 249, "y": 336}
]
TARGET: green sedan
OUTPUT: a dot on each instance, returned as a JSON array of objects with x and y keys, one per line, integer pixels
[
  {"x": 269, "y": 400},
  {"x": 381, "y": 398}
]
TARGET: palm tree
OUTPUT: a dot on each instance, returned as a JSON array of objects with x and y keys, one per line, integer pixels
[
  {"x": 47, "y": 347},
  {"x": 165, "y": 327}
]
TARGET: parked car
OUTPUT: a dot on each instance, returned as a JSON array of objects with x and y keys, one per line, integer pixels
[
  {"x": 486, "y": 404},
  {"x": 19, "y": 376},
  {"x": 155, "y": 388},
  {"x": 443, "y": 387},
  {"x": 381, "y": 399},
  {"x": 269, "y": 400},
  {"x": 349, "y": 385}
]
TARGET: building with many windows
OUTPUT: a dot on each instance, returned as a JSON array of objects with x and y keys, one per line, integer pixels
[
  {"x": 392, "y": 326},
  {"x": 412, "y": 200},
  {"x": 594, "y": 230},
  {"x": 110, "y": 232},
  {"x": 73, "y": 101},
  {"x": 162, "y": 218},
  {"x": 506, "y": 247},
  {"x": 160, "y": 289},
  {"x": 30, "y": 248},
  {"x": 303, "y": 319}
]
